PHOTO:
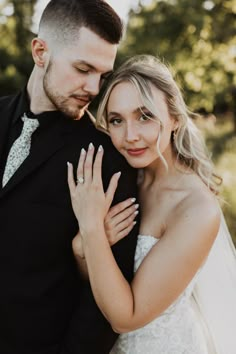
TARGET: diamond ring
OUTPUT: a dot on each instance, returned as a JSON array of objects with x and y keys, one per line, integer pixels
[{"x": 80, "y": 180}]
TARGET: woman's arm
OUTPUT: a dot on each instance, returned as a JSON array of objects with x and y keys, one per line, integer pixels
[
  {"x": 164, "y": 273},
  {"x": 161, "y": 278}
]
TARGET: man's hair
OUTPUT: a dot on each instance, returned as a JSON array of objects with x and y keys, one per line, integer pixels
[{"x": 62, "y": 19}]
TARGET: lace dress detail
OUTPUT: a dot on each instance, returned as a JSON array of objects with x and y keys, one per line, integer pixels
[{"x": 175, "y": 331}]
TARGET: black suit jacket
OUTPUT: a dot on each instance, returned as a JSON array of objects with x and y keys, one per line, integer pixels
[{"x": 45, "y": 306}]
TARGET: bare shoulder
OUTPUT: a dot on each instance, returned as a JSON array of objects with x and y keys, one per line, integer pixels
[
  {"x": 198, "y": 212},
  {"x": 201, "y": 203}
]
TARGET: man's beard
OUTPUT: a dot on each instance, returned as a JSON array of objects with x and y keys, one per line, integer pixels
[{"x": 61, "y": 103}]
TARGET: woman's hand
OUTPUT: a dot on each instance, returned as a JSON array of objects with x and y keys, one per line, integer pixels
[
  {"x": 119, "y": 221},
  {"x": 90, "y": 203}
]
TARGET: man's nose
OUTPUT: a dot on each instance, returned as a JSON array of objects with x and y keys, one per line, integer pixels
[{"x": 92, "y": 85}]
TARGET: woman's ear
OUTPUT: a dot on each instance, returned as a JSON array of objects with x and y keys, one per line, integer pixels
[
  {"x": 39, "y": 51},
  {"x": 175, "y": 125}
]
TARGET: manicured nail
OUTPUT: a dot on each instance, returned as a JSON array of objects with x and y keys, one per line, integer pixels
[
  {"x": 136, "y": 206},
  {"x": 118, "y": 174},
  {"x": 68, "y": 163},
  {"x": 90, "y": 146},
  {"x": 136, "y": 212},
  {"x": 134, "y": 222},
  {"x": 82, "y": 152},
  {"x": 100, "y": 148},
  {"x": 133, "y": 200}
]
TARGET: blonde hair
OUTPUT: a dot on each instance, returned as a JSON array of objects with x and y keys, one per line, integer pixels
[{"x": 187, "y": 141}]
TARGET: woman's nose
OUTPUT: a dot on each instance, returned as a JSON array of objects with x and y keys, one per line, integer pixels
[{"x": 132, "y": 133}]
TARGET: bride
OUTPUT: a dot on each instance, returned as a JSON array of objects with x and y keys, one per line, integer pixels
[{"x": 182, "y": 297}]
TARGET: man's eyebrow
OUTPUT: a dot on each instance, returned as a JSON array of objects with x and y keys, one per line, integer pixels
[
  {"x": 76, "y": 62},
  {"x": 83, "y": 62}
]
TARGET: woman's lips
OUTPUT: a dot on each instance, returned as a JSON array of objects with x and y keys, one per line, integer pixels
[{"x": 136, "y": 152}]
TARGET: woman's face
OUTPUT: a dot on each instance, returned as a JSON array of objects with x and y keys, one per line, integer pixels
[{"x": 133, "y": 128}]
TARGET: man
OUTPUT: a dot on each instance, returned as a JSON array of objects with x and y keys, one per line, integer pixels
[{"x": 45, "y": 305}]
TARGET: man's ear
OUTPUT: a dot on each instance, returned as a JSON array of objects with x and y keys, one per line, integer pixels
[{"x": 39, "y": 51}]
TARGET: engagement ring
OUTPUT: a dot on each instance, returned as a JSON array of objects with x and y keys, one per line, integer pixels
[{"x": 80, "y": 180}]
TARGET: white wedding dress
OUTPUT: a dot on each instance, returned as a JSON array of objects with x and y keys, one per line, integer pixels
[
  {"x": 175, "y": 331},
  {"x": 203, "y": 318}
]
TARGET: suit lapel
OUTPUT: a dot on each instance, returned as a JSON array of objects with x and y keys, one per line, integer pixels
[{"x": 6, "y": 116}]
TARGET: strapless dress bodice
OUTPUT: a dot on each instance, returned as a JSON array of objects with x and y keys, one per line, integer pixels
[{"x": 175, "y": 331}]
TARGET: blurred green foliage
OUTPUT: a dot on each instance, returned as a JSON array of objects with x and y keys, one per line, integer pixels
[
  {"x": 15, "y": 58},
  {"x": 198, "y": 39},
  {"x": 221, "y": 141}
]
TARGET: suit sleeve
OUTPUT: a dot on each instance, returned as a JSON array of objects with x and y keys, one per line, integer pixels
[{"x": 89, "y": 331}]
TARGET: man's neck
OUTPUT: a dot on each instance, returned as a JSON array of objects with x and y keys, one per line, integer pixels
[{"x": 38, "y": 102}]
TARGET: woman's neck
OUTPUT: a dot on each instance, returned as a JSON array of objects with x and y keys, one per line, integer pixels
[{"x": 164, "y": 175}]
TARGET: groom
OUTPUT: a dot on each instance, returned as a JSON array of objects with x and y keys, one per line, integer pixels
[{"x": 45, "y": 306}]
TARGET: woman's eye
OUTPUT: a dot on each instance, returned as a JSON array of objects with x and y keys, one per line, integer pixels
[
  {"x": 146, "y": 116},
  {"x": 115, "y": 121}
]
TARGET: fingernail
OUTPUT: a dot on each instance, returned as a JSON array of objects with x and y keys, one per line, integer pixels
[
  {"x": 82, "y": 152},
  {"x": 136, "y": 212},
  {"x": 118, "y": 174},
  {"x": 100, "y": 148},
  {"x": 136, "y": 206},
  {"x": 133, "y": 200},
  {"x": 90, "y": 146},
  {"x": 134, "y": 222},
  {"x": 68, "y": 163}
]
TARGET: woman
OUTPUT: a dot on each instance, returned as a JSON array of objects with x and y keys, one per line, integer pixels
[{"x": 170, "y": 305}]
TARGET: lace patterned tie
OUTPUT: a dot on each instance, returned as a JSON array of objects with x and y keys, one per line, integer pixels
[{"x": 20, "y": 148}]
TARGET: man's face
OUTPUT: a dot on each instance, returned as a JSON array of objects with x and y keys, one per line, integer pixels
[{"x": 75, "y": 74}]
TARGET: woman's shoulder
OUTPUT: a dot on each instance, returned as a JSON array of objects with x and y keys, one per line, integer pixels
[{"x": 199, "y": 205}]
